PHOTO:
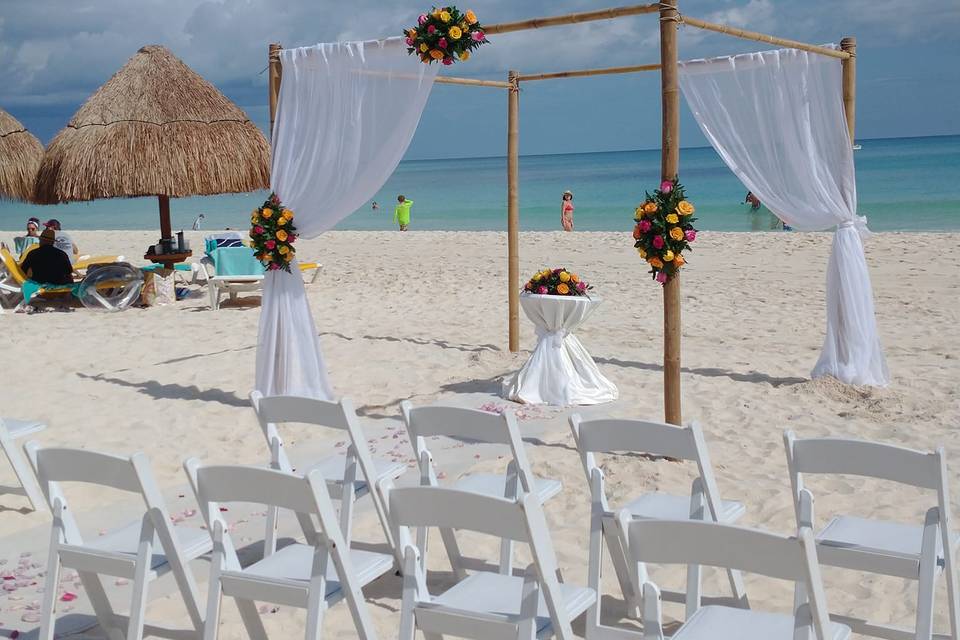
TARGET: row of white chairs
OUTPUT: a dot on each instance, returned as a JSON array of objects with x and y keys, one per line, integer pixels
[{"x": 694, "y": 530}]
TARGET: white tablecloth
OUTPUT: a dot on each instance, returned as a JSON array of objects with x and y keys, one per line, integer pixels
[{"x": 560, "y": 371}]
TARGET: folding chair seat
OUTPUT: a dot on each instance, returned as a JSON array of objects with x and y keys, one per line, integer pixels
[
  {"x": 608, "y": 436},
  {"x": 914, "y": 552},
  {"x": 12, "y": 430},
  {"x": 477, "y": 427},
  {"x": 483, "y": 605},
  {"x": 356, "y": 467},
  {"x": 314, "y": 574},
  {"x": 698, "y": 543},
  {"x": 141, "y": 551}
]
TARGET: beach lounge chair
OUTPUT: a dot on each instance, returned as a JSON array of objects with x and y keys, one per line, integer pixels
[
  {"x": 479, "y": 427},
  {"x": 231, "y": 270},
  {"x": 12, "y": 430},
  {"x": 913, "y": 552},
  {"x": 299, "y": 574},
  {"x": 729, "y": 547},
  {"x": 484, "y": 605},
  {"x": 14, "y": 279},
  {"x": 350, "y": 475},
  {"x": 593, "y": 437},
  {"x": 144, "y": 550}
]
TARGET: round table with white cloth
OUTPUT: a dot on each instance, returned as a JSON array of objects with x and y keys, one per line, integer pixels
[{"x": 559, "y": 371}]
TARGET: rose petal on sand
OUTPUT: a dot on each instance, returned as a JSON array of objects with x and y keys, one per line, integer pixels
[{"x": 68, "y": 596}]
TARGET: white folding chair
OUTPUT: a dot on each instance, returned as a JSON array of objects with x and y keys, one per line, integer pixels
[
  {"x": 11, "y": 430},
  {"x": 913, "y": 552},
  {"x": 478, "y": 427},
  {"x": 357, "y": 468},
  {"x": 652, "y": 438},
  {"x": 299, "y": 574},
  {"x": 141, "y": 552},
  {"x": 688, "y": 542},
  {"x": 484, "y": 605}
]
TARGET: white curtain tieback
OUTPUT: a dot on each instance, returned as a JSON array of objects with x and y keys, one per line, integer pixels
[
  {"x": 859, "y": 223},
  {"x": 553, "y": 339}
]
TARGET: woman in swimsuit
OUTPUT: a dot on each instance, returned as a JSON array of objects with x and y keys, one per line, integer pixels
[{"x": 566, "y": 211}]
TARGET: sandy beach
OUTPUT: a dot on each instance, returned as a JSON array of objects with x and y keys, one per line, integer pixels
[{"x": 422, "y": 316}]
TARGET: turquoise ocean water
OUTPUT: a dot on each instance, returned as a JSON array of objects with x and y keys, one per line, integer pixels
[{"x": 905, "y": 184}]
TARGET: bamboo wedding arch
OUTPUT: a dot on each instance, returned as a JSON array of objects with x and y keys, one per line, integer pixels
[{"x": 670, "y": 20}]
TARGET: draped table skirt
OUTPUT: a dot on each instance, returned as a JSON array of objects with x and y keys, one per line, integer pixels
[{"x": 560, "y": 371}]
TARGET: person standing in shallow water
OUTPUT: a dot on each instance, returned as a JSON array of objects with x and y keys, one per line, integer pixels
[
  {"x": 566, "y": 211},
  {"x": 401, "y": 215}
]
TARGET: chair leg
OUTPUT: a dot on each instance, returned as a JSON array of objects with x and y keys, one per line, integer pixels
[
  {"x": 314, "y": 630},
  {"x": 211, "y": 624},
  {"x": 928, "y": 567},
  {"x": 251, "y": 619},
  {"x": 22, "y": 471},
  {"x": 595, "y": 577},
  {"x": 619, "y": 560},
  {"x": 48, "y": 614},
  {"x": 270, "y": 539},
  {"x": 138, "y": 603},
  {"x": 101, "y": 605}
]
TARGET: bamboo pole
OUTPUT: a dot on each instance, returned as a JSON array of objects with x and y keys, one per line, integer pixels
[
  {"x": 513, "y": 209},
  {"x": 669, "y": 166},
  {"x": 849, "y": 65},
  {"x": 273, "y": 80},
  {"x": 571, "y": 18},
  {"x": 472, "y": 82},
  {"x": 762, "y": 37},
  {"x": 589, "y": 72}
]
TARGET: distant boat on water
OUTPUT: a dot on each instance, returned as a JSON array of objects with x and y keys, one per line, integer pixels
[{"x": 856, "y": 147}]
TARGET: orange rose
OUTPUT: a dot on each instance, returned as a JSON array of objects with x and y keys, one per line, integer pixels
[
  {"x": 650, "y": 207},
  {"x": 574, "y": 278},
  {"x": 563, "y": 289},
  {"x": 471, "y": 17},
  {"x": 678, "y": 261},
  {"x": 656, "y": 263},
  {"x": 676, "y": 233}
]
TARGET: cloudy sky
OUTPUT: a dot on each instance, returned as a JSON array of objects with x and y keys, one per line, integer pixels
[{"x": 55, "y": 53}]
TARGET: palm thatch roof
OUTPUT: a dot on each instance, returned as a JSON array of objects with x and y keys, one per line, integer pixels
[
  {"x": 20, "y": 154},
  {"x": 154, "y": 128}
]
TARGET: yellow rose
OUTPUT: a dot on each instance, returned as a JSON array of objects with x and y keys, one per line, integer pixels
[
  {"x": 546, "y": 273},
  {"x": 672, "y": 218},
  {"x": 423, "y": 47},
  {"x": 435, "y": 13},
  {"x": 650, "y": 207},
  {"x": 564, "y": 276},
  {"x": 288, "y": 214},
  {"x": 465, "y": 55},
  {"x": 281, "y": 221},
  {"x": 284, "y": 249},
  {"x": 455, "y": 33},
  {"x": 266, "y": 213},
  {"x": 436, "y": 54},
  {"x": 676, "y": 233},
  {"x": 282, "y": 235},
  {"x": 655, "y": 263},
  {"x": 563, "y": 289},
  {"x": 445, "y": 16},
  {"x": 471, "y": 17},
  {"x": 412, "y": 33},
  {"x": 288, "y": 256},
  {"x": 254, "y": 219},
  {"x": 685, "y": 208},
  {"x": 642, "y": 252},
  {"x": 668, "y": 256},
  {"x": 464, "y": 26},
  {"x": 536, "y": 278}
]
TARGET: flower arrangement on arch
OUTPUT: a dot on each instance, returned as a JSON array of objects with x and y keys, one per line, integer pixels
[
  {"x": 664, "y": 229},
  {"x": 556, "y": 282},
  {"x": 445, "y": 35},
  {"x": 273, "y": 234}
]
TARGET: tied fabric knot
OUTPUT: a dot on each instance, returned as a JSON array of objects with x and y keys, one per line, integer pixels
[
  {"x": 554, "y": 339},
  {"x": 859, "y": 223}
]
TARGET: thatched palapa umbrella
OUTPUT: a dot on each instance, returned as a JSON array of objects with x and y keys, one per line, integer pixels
[
  {"x": 20, "y": 154},
  {"x": 155, "y": 128}
]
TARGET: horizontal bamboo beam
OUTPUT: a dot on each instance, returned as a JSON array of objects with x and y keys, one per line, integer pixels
[
  {"x": 762, "y": 37},
  {"x": 589, "y": 72},
  {"x": 572, "y": 18},
  {"x": 500, "y": 84}
]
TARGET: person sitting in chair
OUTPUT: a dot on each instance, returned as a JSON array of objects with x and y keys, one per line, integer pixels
[{"x": 46, "y": 264}]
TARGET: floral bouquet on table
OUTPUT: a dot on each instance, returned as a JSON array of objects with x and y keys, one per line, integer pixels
[
  {"x": 556, "y": 282},
  {"x": 664, "y": 229},
  {"x": 444, "y": 35},
  {"x": 273, "y": 234}
]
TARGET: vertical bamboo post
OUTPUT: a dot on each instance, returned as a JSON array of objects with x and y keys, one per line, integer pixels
[
  {"x": 849, "y": 66},
  {"x": 513, "y": 208},
  {"x": 669, "y": 166},
  {"x": 273, "y": 81}
]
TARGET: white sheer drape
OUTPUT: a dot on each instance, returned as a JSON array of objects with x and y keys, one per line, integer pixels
[
  {"x": 776, "y": 118},
  {"x": 346, "y": 115}
]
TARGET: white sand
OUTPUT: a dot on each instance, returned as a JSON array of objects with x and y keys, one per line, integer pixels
[{"x": 422, "y": 316}]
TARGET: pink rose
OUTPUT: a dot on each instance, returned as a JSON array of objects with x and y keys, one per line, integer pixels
[
  {"x": 691, "y": 235},
  {"x": 666, "y": 186},
  {"x": 658, "y": 242},
  {"x": 258, "y": 229},
  {"x": 431, "y": 29},
  {"x": 661, "y": 277},
  {"x": 448, "y": 61},
  {"x": 273, "y": 266},
  {"x": 422, "y": 19},
  {"x": 291, "y": 238},
  {"x": 442, "y": 43},
  {"x": 409, "y": 42},
  {"x": 270, "y": 244},
  {"x": 644, "y": 225},
  {"x": 581, "y": 286},
  {"x": 477, "y": 36},
  {"x": 543, "y": 290}
]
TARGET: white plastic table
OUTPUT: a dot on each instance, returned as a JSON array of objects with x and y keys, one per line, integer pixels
[{"x": 560, "y": 371}]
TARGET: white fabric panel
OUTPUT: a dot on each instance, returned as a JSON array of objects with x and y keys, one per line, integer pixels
[
  {"x": 346, "y": 115},
  {"x": 560, "y": 371},
  {"x": 776, "y": 118}
]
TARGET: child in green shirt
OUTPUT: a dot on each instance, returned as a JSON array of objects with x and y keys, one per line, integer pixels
[{"x": 401, "y": 215}]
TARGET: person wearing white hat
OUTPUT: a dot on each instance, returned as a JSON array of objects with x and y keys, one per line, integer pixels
[{"x": 566, "y": 211}]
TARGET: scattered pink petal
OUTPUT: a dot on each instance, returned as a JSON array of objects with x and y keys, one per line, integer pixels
[
  {"x": 9, "y": 586},
  {"x": 121, "y": 581},
  {"x": 441, "y": 475},
  {"x": 476, "y": 456},
  {"x": 68, "y": 596},
  {"x": 14, "y": 634},
  {"x": 224, "y": 509},
  {"x": 9, "y": 578}
]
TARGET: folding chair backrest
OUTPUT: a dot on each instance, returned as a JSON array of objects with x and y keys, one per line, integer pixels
[
  {"x": 13, "y": 268},
  {"x": 294, "y": 409},
  {"x": 691, "y": 542},
  {"x": 218, "y": 484}
]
